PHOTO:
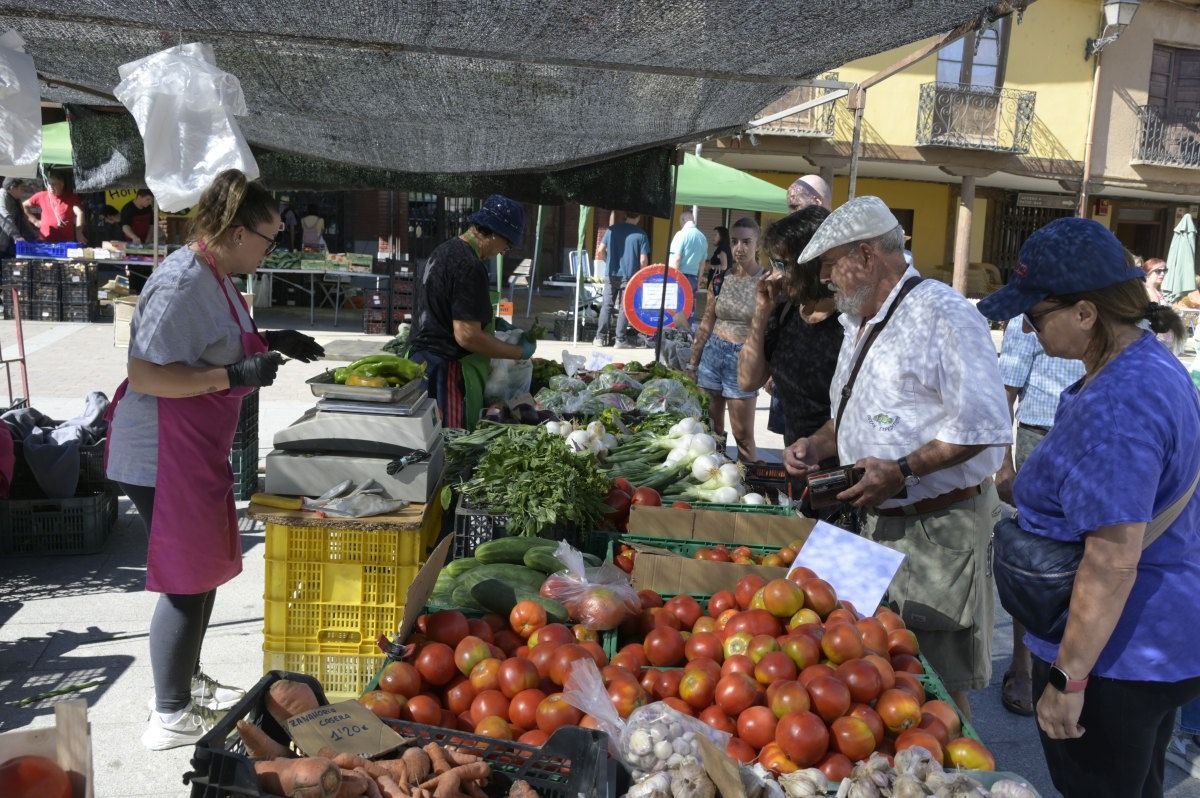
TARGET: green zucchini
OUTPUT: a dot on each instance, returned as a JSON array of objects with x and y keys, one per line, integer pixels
[
  {"x": 544, "y": 560},
  {"x": 465, "y": 600},
  {"x": 500, "y": 597},
  {"x": 509, "y": 550}
]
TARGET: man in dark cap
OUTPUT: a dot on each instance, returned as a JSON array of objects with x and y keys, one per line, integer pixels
[
  {"x": 14, "y": 226},
  {"x": 453, "y": 312}
]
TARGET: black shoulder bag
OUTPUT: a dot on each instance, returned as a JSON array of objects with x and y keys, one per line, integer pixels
[{"x": 1035, "y": 575}]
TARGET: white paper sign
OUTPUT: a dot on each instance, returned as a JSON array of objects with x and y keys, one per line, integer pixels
[
  {"x": 652, "y": 297},
  {"x": 860, "y": 570},
  {"x": 599, "y": 360}
]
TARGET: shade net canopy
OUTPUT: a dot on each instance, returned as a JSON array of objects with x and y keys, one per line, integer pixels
[{"x": 480, "y": 88}]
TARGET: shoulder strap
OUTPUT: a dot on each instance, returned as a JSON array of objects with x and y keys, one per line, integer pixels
[
  {"x": 1159, "y": 523},
  {"x": 862, "y": 353}
]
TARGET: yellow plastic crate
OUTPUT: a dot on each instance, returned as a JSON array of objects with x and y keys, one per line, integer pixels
[
  {"x": 342, "y": 676},
  {"x": 331, "y": 627}
]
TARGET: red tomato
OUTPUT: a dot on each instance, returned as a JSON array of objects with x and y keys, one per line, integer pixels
[
  {"x": 648, "y": 497},
  {"x": 400, "y": 678},
  {"x": 460, "y": 696},
  {"x": 487, "y": 704},
  {"x": 522, "y": 710},
  {"x": 449, "y": 627},
  {"x": 384, "y": 705},
  {"x": 714, "y": 717},
  {"x": 803, "y": 737},
  {"x": 664, "y": 646},
  {"x": 435, "y": 663},
  {"x": 517, "y": 674},
  {"x": 616, "y": 506},
  {"x": 425, "y": 710},
  {"x": 756, "y": 726},
  {"x": 681, "y": 505},
  {"x": 620, "y": 483},
  {"x": 33, "y": 777},
  {"x": 554, "y": 712}
]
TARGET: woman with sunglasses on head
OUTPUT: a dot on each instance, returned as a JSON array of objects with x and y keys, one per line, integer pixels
[
  {"x": 795, "y": 336},
  {"x": 194, "y": 352},
  {"x": 1102, "y": 560}
]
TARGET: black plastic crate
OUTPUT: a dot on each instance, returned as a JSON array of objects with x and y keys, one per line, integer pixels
[
  {"x": 564, "y": 329},
  {"x": 79, "y": 525},
  {"x": 87, "y": 312},
  {"x": 244, "y": 462},
  {"x": 16, "y": 271},
  {"x": 78, "y": 273},
  {"x": 78, "y": 293},
  {"x": 44, "y": 292},
  {"x": 41, "y": 311},
  {"x": 45, "y": 271},
  {"x": 573, "y": 763},
  {"x": 105, "y": 312},
  {"x": 247, "y": 428},
  {"x": 91, "y": 473},
  {"x": 473, "y": 526}
]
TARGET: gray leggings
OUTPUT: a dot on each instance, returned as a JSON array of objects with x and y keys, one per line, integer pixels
[{"x": 176, "y": 630}]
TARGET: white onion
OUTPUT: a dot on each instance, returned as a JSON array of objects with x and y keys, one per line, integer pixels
[
  {"x": 685, "y": 441},
  {"x": 726, "y": 495},
  {"x": 674, "y": 456},
  {"x": 597, "y": 446},
  {"x": 704, "y": 467},
  {"x": 579, "y": 440},
  {"x": 565, "y": 428},
  {"x": 596, "y": 429},
  {"x": 553, "y": 427},
  {"x": 730, "y": 475},
  {"x": 703, "y": 443},
  {"x": 609, "y": 440},
  {"x": 753, "y": 498}
]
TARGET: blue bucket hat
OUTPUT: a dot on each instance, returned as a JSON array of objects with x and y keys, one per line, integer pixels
[
  {"x": 1067, "y": 256},
  {"x": 502, "y": 216}
]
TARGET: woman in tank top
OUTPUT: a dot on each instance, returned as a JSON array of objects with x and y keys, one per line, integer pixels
[{"x": 721, "y": 336}]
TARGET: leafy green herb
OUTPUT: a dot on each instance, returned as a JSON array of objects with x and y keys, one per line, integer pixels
[{"x": 539, "y": 483}]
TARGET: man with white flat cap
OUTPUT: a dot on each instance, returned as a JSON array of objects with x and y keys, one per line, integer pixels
[{"x": 918, "y": 404}]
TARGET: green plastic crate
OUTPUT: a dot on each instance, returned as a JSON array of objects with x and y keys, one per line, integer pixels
[
  {"x": 761, "y": 509},
  {"x": 688, "y": 548}
]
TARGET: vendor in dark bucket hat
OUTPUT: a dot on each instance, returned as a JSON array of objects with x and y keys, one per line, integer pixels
[
  {"x": 453, "y": 313},
  {"x": 502, "y": 216}
]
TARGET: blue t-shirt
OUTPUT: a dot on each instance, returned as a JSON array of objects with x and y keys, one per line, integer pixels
[
  {"x": 1122, "y": 449},
  {"x": 626, "y": 243},
  {"x": 691, "y": 246}
]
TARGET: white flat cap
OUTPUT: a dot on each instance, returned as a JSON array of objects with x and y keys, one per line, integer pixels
[{"x": 860, "y": 219}]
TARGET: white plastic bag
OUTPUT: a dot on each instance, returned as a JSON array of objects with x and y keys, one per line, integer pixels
[
  {"x": 184, "y": 107},
  {"x": 599, "y": 598},
  {"x": 20, "y": 106}
]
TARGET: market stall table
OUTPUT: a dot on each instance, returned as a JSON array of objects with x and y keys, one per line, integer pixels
[{"x": 311, "y": 290}]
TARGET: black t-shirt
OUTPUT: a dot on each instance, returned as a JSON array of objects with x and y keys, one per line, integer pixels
[
  {"x": 140, "y": 220},
  {"x": 802, "y": 358},
  {"x": 453, "y": 286}
]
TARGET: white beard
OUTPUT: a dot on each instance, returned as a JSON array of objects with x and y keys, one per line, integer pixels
[{"x": 851, "y": 304}]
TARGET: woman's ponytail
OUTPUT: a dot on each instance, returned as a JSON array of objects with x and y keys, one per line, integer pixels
[
  {"x": 230, "y": 200},
  {"x": 1164, "y": 319}
]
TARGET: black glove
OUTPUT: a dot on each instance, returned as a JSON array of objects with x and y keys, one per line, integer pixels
[
  {"x": 256, "y": 371},
  {"x": 294, "y": 344}
]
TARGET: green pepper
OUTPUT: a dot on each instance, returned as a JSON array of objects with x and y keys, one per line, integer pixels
[
  {"x": 374, "y": 359},
  {"x": 340, "y": 374}
]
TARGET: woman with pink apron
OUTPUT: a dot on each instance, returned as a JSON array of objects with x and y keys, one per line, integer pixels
[{"x": 194, "y": 353}]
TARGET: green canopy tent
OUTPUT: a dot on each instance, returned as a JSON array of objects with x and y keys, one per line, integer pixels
[
  {"x": 56, "y": 144},
  {"x": 709, "y": 184}
]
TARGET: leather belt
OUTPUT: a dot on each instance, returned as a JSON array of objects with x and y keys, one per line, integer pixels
[
  {"x": 1033, "y": 428},
  {"x": 931, "y": 505}
]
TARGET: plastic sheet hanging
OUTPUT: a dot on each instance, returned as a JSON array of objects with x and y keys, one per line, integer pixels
[
  {"x": 20, "y": 109},
  {"x": 184, "y": 107}
]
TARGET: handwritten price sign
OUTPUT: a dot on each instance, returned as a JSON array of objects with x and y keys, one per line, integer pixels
[{"x": 347, "y": 727}]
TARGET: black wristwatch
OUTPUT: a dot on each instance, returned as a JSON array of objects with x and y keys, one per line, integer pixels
[
  {"x": 911, "y": 480},
  {"x": 1061, "y": 681}
]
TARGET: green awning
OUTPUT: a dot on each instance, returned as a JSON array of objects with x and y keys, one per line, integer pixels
[
  {"x": 56, "y": 144},
  {"x": 708, "y": 184}
]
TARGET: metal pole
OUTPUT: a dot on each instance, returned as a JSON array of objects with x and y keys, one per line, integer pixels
[
  {"x": 583, "y": 211},
  {"x": 695, "y": 208},
  {"x": 537, "y": 251},
  {"x": 154, "y": 263},
  {"x": 858, "y": 99},
  {"x": 662, "y": 305},
  {"x": 1081, "y": 210}
]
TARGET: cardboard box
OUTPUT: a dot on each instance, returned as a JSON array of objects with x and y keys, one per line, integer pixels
[
  {"x": 68, "y": 742},
  {"x": 671, "y": 574},
  {"x": 718, "y": 526},
  {"x": 422, "y": 586}
]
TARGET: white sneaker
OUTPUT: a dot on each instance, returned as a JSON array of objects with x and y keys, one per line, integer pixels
[
  {"x": 1184, "y": 752},
  {"x": 210, "y": 694},
  {"x": 195, "y": 722}
]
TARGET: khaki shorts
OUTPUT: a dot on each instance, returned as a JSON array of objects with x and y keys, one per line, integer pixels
[
  {"x": 945, "y": 590},
  {"x": 1026, "y": 440}
]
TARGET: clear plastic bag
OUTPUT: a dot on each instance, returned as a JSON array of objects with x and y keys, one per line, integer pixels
[
  {"x": 620, "y": 401},
  {"x": 550, "y": 399},
  {"x": 600, "y": 598},
  {"x": 20, "y": 106},
  {"x": 507, "y": 379},
  {"x": 615, "y": 381},
  {"x": 565, "y": 384},
  {"x": 667, "y": 395},
  {"x": 184, "y": 107},
  {"x": 653, "y": 738}
]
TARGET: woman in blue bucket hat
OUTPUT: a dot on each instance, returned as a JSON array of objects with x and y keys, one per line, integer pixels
[
  {"x": 453, "y": 313},
  {"x": 1102, "y": 560}
]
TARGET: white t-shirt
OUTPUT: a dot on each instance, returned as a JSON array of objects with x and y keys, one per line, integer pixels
[{"x": 932, "y": 373}]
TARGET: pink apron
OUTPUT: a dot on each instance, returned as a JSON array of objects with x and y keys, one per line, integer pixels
[{"x": 195, "y": 545}]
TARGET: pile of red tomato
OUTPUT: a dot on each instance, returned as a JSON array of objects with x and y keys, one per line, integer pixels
[
  {"x": 796, "y": 678},
  {"x": 622, "y": 495}
]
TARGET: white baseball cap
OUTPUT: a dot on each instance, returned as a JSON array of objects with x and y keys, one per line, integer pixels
[{"x": 860, "y": 219}]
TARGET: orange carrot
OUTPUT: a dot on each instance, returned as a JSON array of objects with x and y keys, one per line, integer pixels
[
  {"x": 259, "y": 744},
  {"x": 286, "y": 699},
  {"x": 389, "y": 787},
  {"x": 472, "y": 772},
  {"x": 311, "y": 777},
  {"x": 437, "y": 756}
]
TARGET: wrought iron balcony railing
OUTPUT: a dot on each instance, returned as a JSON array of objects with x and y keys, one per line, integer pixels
[
  {"x": 975, "y": 117},
  {"x": 814, "y": 123},
  {"x": 1168, "y": 137}
]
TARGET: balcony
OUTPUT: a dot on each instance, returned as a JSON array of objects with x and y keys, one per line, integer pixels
[
  {"x": 975, "y": 118},
  {"x": 1168, "y": 137},
  {"x": 813, "y": 123}
]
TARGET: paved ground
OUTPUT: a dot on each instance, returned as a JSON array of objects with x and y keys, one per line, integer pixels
[{"x": 73, "y": 619}]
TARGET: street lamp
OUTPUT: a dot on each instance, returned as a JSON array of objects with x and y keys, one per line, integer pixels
[{"x": 1117, "y": 16}]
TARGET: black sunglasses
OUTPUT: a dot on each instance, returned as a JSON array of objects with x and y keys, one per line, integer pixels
[
  {"x": 1032, "y": 319},
  {"x": 272, "y": 242}
]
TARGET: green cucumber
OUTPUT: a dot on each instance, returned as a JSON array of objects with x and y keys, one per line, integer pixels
[
  {"x": 465, "y": 600},
  {"x": 544, "y": 560},
  {"x": 460, "y": 567},
  {"x": 500, "y": 597},
  {"x": 515, "y": 575},
  {"x": 508, "y": 550}
]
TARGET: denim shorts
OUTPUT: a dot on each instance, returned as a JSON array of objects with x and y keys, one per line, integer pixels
[{"x": 719, "y": 369}]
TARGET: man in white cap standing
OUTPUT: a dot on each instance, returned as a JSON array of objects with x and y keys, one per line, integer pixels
[
  {"x": 918, "y": 404},
  {"x": 809, "y": 190}
]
